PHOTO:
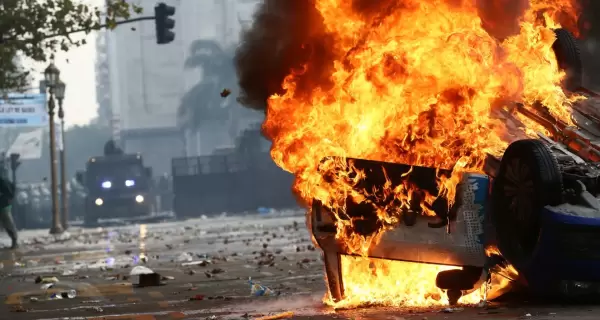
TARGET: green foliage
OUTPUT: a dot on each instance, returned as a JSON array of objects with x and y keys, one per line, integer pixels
[{"x": 36, "y": 29}]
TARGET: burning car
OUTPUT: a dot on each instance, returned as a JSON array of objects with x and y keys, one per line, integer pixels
[
  {"x": 535, "y": 210},
  {"x": 440, "y": 145}
]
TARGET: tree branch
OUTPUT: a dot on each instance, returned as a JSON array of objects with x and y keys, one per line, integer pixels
[{"x": 98, "y": 27}]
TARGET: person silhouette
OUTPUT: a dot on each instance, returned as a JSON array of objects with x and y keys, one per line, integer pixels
[{"x": 7, "y": 194}]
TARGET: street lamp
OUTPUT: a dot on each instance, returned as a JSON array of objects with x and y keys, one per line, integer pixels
[
  {"x": 60, "y": 96},
  {"x": 52, "y": 77}
]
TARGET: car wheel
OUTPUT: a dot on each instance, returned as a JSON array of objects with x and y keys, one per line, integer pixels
[
  {"x": 458, "y": 279},
  {"x": 568, "y": 57},
  {"x": 454, "y": 296},
  {"x": 528, "y": 180}
]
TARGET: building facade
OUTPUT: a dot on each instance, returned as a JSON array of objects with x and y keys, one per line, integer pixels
[{"x": 147, "y": 81}]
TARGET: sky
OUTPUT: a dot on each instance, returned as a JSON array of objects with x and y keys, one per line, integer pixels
[{"x": 77, "y": 71}]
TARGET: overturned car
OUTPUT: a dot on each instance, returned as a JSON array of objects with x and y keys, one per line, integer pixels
[{"x": 535, "y": 209}]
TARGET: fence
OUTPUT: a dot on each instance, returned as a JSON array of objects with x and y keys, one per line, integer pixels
[{"x": 229, "y": 183}]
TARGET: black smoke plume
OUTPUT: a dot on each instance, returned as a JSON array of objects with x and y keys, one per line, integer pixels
[{"x": 284, "y": 35}]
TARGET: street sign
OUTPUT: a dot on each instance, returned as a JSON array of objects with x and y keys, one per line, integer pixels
[
  {"x": 28, "y": 145},
  {"x": 23, "y": 110}
]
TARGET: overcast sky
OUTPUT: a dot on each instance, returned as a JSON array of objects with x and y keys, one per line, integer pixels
[{"x": 77, "y": 70}]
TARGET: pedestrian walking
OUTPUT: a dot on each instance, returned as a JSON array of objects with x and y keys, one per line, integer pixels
[{"x": 7, "y": 194}]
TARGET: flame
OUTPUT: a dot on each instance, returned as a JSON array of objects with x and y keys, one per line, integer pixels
[
  {"x": 503, "y": 277},
  {"x": 418, "y": 82},
  {"x": 369, "y": 281}
]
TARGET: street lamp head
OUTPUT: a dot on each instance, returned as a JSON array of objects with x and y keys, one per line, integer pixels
[
  {"x": 59, "y": 91},
  {"x": 51, "y": 75}
]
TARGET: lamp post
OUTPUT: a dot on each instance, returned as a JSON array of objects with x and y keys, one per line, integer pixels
[
  {"x": 60, "y": 95},
  {"x": 51, "y": 75}
]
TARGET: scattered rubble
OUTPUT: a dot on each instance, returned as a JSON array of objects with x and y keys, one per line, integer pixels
[
  {"x": 139, "y": 270},
  {"x": 41, "y": 279},
  {"x": 103, "y": 259},
  {"x": 185, "y": 257},
  {"x": 283, "y": 315},
  {"x": 258, "y": 290}
]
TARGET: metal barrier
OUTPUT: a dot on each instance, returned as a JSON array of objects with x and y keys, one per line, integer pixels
[{"x": 229, "y": 183}]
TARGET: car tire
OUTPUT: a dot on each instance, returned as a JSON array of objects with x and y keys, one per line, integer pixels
[
  {"x": 568, "y": 57},
  {"x": 458, "y": 279},
  {"x": 528, "y": 180}
]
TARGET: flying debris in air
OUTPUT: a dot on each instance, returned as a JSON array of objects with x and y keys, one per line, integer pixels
[{"x": 225, "y": 93}]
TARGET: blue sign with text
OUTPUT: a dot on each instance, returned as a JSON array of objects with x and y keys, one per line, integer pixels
[{"x": 23, "y": 110}]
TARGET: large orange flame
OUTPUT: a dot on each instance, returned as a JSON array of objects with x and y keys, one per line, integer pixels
[{"x": 417, "y": 82}]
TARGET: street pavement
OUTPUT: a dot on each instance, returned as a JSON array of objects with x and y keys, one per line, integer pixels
[{"x": 205, "y": 265}]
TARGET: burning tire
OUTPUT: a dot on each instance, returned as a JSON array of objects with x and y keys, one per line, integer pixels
[
  {"x": 458, "y": 281},
  {"x": 528, "y": 180},
  {"x": 568, "y": 56}
]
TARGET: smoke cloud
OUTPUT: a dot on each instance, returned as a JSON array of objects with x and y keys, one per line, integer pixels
[
  {"x": 283, "y": 37},
  {"x": 286, "y": 34}
]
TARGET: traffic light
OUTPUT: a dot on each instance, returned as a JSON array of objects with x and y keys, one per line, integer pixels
[{"x": 164, "y": 24}]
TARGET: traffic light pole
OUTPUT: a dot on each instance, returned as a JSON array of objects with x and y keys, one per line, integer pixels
[
  {"x": 99, "y": 27},
  {"x": 162, "y": 18}
]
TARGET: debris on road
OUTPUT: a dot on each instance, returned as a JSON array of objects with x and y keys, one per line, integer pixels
[
  {"x": 185, "y": 257},
  {"x": 202, "y": 263},
  {"x": 217, "y": 271},
  {"x": 18, "y": 308},
  {"x": 140, "y": 270},
  {"x": 116, "y": 277},
  {"x": 283, "y": 315},
  {"x": 68, "y": 273},
  {"x": 98, "y": 262},
  {"x": 197, "y": 297},
  {"x": 149, "y": 280},
  {"x": 452, "y": 310},
  {"x": 41, "y": 279},
  {"x": 70, "y": 294},
  {"x": 147, "y": 277},
  {"x": 47, "y": 286},
  {"x": 258, "y": 290}
]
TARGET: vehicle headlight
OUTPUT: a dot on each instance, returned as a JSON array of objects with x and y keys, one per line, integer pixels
[
  {"x": 106, "y": 184},
  {"x": 139, "y": 198},
  {"x": 99, "y": 202},
  {"x": 129, "y": 183}
]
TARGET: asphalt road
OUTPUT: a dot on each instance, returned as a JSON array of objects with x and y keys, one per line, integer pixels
[{"x": 274, "y": 250}]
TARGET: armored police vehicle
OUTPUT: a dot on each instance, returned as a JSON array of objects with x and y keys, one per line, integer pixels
[{"x": 118, "y": 186}]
